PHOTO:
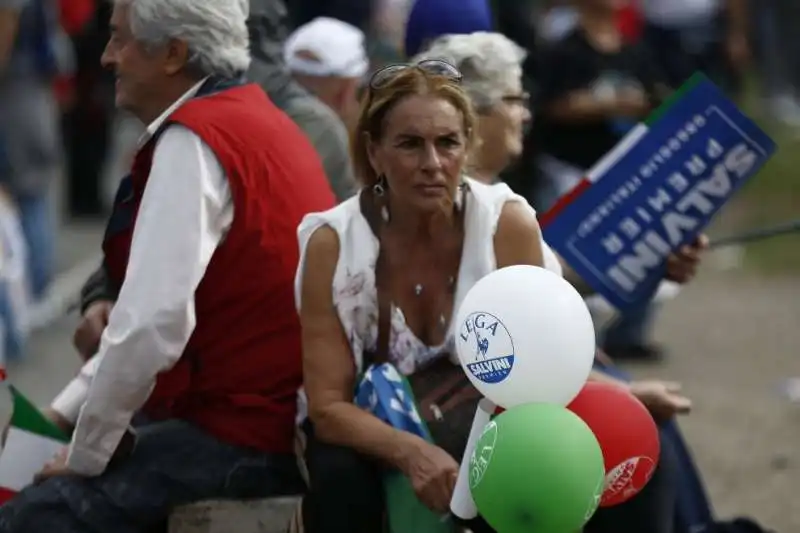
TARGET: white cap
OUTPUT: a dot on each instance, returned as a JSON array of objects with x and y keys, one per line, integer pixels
[{"x": 327, "y": 47}]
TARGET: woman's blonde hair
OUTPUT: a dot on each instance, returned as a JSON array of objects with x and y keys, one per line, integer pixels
[{"x": 379, "y": 102}]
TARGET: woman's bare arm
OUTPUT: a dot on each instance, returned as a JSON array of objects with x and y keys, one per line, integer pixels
[
  {"x": 518, "y": 240},
  {"x": 328, "y": 369}
]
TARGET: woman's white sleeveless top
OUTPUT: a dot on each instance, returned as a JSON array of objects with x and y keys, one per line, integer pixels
[{"x": 354, "y": 294}]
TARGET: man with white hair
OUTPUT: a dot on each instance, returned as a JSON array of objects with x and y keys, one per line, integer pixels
[
  {"x": 203, "y": 343},
  {"x": 328, "y": 58}
]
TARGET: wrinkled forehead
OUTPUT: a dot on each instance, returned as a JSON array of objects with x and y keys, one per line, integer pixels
[{"x": 427, "y": 116}]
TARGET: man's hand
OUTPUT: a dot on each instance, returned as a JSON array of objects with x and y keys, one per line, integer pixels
[
  {"x": 661, "y": 398},
  {"x": 56, "y": 467},
  {"x": 88, "y": 333},
  {"x": 682, "y": 265}
]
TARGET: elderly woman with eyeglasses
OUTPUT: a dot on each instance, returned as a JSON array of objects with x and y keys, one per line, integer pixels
[{"x": 491, "y": 65}]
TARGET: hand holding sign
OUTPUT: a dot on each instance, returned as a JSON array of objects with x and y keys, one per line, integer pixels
[{"x": 655, "y": 192}]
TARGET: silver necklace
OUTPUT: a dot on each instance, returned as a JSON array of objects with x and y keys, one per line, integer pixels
[{"x": 419, "y": 287}]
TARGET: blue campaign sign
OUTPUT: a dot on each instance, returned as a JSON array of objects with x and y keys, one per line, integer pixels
[{"x": 655, "y": 192}]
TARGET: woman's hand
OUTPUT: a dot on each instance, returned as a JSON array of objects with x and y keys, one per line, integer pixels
[
  {"x": 661, "y": 398},
  {"x": 432, "y": 472},
  {"x": 682, "y": 265}
]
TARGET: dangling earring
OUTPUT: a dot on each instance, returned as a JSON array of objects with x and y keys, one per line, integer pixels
[{"x": 379, "y": 189}]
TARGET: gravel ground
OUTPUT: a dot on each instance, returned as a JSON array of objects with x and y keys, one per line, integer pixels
[{"x": 732, "y": 343}]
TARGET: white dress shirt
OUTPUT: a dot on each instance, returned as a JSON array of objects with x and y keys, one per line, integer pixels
[{"x": 185, "y": 212}]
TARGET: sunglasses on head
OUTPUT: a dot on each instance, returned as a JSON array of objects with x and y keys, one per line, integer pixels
[{"x": 434, "y": 67}]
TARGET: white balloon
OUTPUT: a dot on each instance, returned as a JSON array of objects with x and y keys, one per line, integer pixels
[{"x": 524, "y": 334}]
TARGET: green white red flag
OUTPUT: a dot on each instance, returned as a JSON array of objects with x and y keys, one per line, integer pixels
[{"x": 29, "y": 441}]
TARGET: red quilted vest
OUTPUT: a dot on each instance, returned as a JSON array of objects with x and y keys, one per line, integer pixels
[{"x": 240, "y": 372}]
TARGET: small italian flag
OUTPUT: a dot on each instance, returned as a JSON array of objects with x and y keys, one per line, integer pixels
[{"x": 29, "y": 441}]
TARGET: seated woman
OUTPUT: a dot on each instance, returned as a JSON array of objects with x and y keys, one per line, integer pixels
[
  {"x": 428, "y": 233},
  {"x": 437, "y": 234}
]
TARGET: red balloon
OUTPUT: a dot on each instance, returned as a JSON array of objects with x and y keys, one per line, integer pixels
[{"x": 627, "y": 434}]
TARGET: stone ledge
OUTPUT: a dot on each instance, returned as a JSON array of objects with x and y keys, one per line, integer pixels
[{"x": 271, "y": 515}]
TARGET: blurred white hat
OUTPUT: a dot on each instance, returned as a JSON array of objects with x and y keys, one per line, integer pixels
[{"x": 327, "y": 47}]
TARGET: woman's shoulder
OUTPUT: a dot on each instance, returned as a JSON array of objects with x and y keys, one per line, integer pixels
[
  {"x": 492, "y": 199},
  {"x": 503, "y": 206},
  {"x": 342, "y": 219},
  {"x": 341, "y": 235}
]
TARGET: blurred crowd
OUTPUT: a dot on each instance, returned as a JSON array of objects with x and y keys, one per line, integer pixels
[{"x": 618, "y": 58}]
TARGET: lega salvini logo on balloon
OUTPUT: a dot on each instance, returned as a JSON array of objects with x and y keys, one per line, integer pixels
[
  {"x": 482, "y": 455},
  {"x": 485, "y": 336}
]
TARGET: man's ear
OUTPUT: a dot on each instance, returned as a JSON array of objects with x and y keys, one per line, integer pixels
[{"x": 177, "y": 56}]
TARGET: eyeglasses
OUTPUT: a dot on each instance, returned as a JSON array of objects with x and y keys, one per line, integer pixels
[
  {"x": 434, "y": 67},
  {"x": 523, "y": 99}
]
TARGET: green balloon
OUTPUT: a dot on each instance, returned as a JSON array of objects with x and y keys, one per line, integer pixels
[{"x": 537, "y": 468}]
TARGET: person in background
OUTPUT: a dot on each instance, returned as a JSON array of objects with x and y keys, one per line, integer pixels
[
  {"x": 358, "y": 13},
  {"x": 328, "y": 58},
  {"x": 430, "y": 19},
  {"x": 557, "y": 20},
  {"x": 630, "y": 22},
  {"x": 15, "y": 298},
  {"x": 778, "y": 58},
  {"x": 268, "y": 26},
  {"x": 582, "y": 113},
  {"x": 518, "y": 21},
  {"x": 490, "y": 64},
  {"x": 387, "y": 32},
  {"x": 202, "y": 349},
  {"x": 14, "y": 270},
  {"x": 33, "y": 51},
  {"x": 74, "y": 16},
  {"x": 87, "y": 122},
  {"x": 709, "y": 36}
]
